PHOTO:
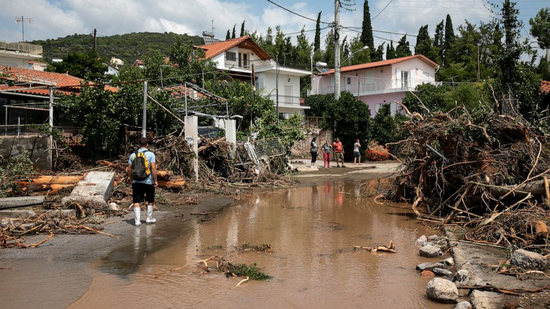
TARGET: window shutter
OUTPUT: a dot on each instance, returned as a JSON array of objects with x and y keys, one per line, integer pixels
[{"x": 397, "y": 78}]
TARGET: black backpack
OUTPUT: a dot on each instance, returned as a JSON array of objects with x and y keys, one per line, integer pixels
[{"x": 140, "y": 166}]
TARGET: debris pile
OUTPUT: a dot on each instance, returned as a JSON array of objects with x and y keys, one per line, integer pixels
[
  {"x": 231, "y": 269},
  {"x": 488, "y": 171},
  {"x": 375, "y": 152}
]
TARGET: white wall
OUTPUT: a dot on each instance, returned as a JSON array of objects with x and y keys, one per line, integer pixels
[
  {"x": 268, "y": 83},
  {"x": 417, "y": 68},
  {"x": 14, "y": 62}
]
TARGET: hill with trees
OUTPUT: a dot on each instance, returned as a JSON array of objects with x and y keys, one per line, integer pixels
[{"x": 128, "y": 47}]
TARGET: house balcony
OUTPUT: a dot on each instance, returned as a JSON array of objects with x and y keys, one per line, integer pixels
[
  {"x": 372, "y": 87},
  {"x": 23, "y": 48},
  {"x": 288, "y": 101}
]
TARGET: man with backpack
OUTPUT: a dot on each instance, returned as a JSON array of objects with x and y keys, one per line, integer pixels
[{"x": 142, "y": 172}]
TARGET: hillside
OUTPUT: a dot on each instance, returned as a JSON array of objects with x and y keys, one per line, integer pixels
[{"x": 127, "y": 47}]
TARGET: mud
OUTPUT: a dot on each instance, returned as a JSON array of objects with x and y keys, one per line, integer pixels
[{"x": 312, "y": 230}]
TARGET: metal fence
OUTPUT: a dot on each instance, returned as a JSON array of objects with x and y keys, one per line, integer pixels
[{"x": 268, "y": 147}]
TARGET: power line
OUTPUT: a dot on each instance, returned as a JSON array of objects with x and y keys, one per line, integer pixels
[
  {"x": 381, "y": 10},
  {"x": 297, "y": 14},
  {"x": 298, "y": 32}
]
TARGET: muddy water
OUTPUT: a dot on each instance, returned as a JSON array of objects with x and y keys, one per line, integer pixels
[{"x": 312, "y": 230}]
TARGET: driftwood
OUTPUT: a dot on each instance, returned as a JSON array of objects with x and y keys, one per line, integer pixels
[{"x": 389, "y": 248}]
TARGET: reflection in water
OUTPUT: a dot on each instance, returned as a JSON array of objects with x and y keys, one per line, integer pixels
[{"x": 312, "y": 230}]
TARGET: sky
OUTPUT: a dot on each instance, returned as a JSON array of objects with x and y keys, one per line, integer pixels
[{"x": 58, "y": 18}]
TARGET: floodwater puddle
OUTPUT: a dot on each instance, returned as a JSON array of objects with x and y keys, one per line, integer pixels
[{"x": 312, "y": 231}]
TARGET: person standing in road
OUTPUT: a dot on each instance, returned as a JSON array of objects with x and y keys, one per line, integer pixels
[
  {"x": 357, "y": 152},
  {"x": 326, "y": 154},
  {"x": 142, "y": 173},
  {"x": 339, "y": 151},
  {"x": 313, "y": 153}
]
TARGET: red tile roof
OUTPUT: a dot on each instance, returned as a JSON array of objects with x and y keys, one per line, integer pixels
[
  {"x": 545, "y": 87},
  {"x": 214, "y": 49},
  {"x": 64, "y": 83},
  {"x": 382, "y": 63}
]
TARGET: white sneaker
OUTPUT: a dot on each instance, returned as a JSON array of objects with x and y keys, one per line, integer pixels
[
  {"x": 150, "y": 218},
  {"x": 137, "y": 215}
]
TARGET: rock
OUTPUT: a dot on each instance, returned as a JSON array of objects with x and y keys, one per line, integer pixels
[
  {"x": 430, "y": 251},
  {"x": 16, "y": 213},
  {"x": 421, "y": 241},
  {"x": 433, "y": 238},
  {"x": 511, "y": 304},
  {"x": 464, "y": 277},
  {"x": 21, "y": 201},
  {"x": 529, "y": 260},
  {"x": 427, "y": 273},
  {"x": 114, "y": 207},
  {"x": 463, "y": 305},
  {"x": 443, "y": 272},
  {"x": 486, "y": 300},
  {"x": 428, "y": 266},
  {"x": 448, "y": 261},
  {"x": 442, "y": 290}
]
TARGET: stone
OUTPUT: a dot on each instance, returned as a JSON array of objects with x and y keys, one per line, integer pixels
[
  {"x": 21, "y": 201},
  {"x": 511, "y": 304},
  {"x": 464, "y": 277},
  {"x": 448, "y": 261},
  {"x": 443, "y": 272},
  {"x": 442, "y": 290},
  {"x": 421, "y": 241},
  {"x": 486, "y": 300},
  {"x": 529, "y": 260},
  {"x": 16, "y": 213},
  {"x": 430, "y": 251},
  {"x": 427, "y": 273},
  {"x": 433, "y": 238},
  {"x": 114, "y": 207},
  {"x": 463, "y": 305},
  {"x": 428, "y": 266}
]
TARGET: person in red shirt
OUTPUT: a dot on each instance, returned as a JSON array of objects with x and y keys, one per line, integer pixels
[{"x": 339, "y": 151}]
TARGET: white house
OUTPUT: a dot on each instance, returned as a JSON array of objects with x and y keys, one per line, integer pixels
[
  {"x": 19, "y": 54},
  {"x": 111, "y": 69},
  {"x": 381, "y": 82},
  {"x": 242, "y": 58}
]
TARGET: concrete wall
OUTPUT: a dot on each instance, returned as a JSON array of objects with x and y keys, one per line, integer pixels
[{"x": 13, "y": 146}]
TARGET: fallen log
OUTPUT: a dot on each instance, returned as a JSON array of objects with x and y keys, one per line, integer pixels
[
  {"x": 389, "y": 248},
  {"x": 53, "y": 180},
  {"x": 171, "y": 184},
  {"x": 111, "y": 164},
  {"x": 45, "y": 187},
  {"x": 535, "y": 188}
]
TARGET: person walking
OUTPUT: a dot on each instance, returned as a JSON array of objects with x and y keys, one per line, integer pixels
[
  {"x": 357, "y": 152},
  {"x": 326, "y": 154},
  {"x": 313, "y": 151},
  {"x": 339, "y": 152},
  {"x": 142, "y": 173}
]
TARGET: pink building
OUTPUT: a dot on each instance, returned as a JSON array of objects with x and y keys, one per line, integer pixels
[{"x": 381, "y": 82}]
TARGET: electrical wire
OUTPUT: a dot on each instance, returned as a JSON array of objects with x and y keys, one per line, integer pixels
[
  {"x": 297, "y": 14},
  {"x": 381, "y": 11}
]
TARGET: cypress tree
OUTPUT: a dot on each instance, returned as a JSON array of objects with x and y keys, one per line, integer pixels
[
  {"x": 228, "y": 35},
  {"x": 449, "y": 33},
  {"x": 233, "y": 34},
  {"x": 317, "y": 41},
  {"x": 242, "y": 28},
  {"x": 366, "y": 35},
  {"x": 438, "y": 39},
  {"x": 403, "y": 49},
  {"x": 423, "y": 41},
  {"x": 390, "y": 51}
]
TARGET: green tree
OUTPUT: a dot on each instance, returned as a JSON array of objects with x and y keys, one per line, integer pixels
[
  {"x": 233, "y": 34},
  {"x": 317, "y": 40},
  {"x": 449, "y": 38},
  {"x": 228, "y": 35},
  {"x": 424, "y": 44},
  {"x": 84, "y": 65},
  {"x": 243, "y": 31},
  {"x": 366, "y": 34},
  {"x": 390, "y": 51},
  {"x": 358, "y": 56},
  {"x": 540, "y": 28},
  {"x": 384, "y": 127},
  {"x": 328, "y": 54},
  {"x": 403, "y": 48},
  {"x": 303, "y": 50},
  {"x": 378, "y": 54}
]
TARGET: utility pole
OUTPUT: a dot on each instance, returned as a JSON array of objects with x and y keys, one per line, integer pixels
[
  {"x": 336, "y": 49},
  {"x": 95, "y": 39},
  {"x": 277, "y": 87},
  {"x": 478, "y": 72},
  {"x": 21, "y": 20},
  {"x": 144, "y": 120}
]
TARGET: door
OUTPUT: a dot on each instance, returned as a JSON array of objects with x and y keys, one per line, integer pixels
[
  {"x": 404, "y": 79},
  {"x": 288, "y": 94}
]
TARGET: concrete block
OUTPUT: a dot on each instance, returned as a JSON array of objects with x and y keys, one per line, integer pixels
[
  {"x": 35, "y": 145},
  {"x": 93, "y": 191},
  {"x": 20, "y": 201},
  {"x": 16, "y": 213}
]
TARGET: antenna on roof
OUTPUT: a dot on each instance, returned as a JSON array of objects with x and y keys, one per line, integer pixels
[
  {"x": 208, "y": 36},
  {"x": 21, "y": 20}
]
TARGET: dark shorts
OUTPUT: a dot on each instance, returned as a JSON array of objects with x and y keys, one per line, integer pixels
[
  {"x": 143, "y": 192},
  {"x": 357, "y": 154}
]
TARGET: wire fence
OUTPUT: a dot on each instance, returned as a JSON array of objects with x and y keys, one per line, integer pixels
[{"x": 270, "y": 147}]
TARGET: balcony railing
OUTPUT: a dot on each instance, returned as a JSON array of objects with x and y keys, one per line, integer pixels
[
  {"x": 285, "y": 100},
  {"x": 21, "y": 48},
  {"x": 371, "y": 87}
]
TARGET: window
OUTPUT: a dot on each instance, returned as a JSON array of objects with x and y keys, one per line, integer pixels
[
  {"x": 349, "y": 81},
  {"x": 245, "y": 60},
  {"x": 231, "y": 56},
  {"x": 404, "y": 79},
  {"x": 369, "y": 78}
]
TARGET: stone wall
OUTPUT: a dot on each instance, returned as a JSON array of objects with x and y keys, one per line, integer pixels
[
  {"x": 36, "y": 146},
  {"x": 301, "y": 149}
]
